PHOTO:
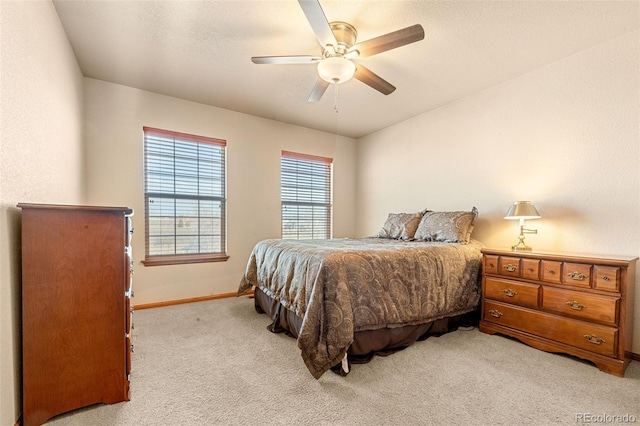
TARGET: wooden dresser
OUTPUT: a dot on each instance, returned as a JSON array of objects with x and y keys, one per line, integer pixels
[
  {"x": 76, "y": 285},
  {"x": 575, "y": 304}
]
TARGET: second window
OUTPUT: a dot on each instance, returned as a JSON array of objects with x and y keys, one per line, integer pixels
[{"x": 305, "y": 182}]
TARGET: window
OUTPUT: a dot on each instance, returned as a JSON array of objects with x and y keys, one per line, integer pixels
[
  {"x": 305, "y": 182},
  {"x": 184, "y": 198}
]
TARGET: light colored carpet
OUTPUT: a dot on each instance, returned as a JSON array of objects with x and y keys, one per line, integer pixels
[{"x": 214, "y": 363}]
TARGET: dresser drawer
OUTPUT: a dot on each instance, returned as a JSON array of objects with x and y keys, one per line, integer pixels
[
  {"x": 591, "y": 337},
  {"x": 490, "y": 264},
  {"x": 518, "y": 293},
  {"x": 551, "y": 271},
  {"x": 580, "y": 305},
  {"x": 509, "y": 266},
  {"x": 531, "y": 269},
  {"x": 607, "y": 278},
  {"x": 577, "y": 274}
]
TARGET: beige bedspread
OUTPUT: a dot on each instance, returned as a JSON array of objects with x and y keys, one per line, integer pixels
[{"x": 340, "y": 286}]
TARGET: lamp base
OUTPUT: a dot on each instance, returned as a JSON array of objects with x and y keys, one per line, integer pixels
[{"x": 521, "y": 246}]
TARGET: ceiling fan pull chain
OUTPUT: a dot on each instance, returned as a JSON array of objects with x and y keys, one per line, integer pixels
[{"x": 335, "y": 97}]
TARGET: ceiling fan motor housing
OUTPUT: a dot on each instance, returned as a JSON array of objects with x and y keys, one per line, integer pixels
[{"x": 345, "y": 34}]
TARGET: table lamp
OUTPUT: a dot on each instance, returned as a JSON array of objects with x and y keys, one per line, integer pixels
[{"x": 523, "y": 210}]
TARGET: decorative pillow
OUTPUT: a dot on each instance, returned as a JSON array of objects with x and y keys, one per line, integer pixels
[
  {"x": 400, "y": 226},
  {"x": 450, "y": 227}
]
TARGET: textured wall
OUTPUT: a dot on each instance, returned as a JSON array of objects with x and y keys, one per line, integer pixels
[
  {"x": 40, "y": 154},
  {"x": 564, "y": 136}
]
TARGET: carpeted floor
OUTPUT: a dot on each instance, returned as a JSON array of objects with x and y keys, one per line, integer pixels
[{"x": 214, "y": 363}]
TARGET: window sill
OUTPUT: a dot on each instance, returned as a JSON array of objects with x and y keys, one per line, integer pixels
[{"x": 184, "y": 259}]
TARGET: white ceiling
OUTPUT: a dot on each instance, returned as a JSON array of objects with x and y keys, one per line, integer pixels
[{"x": 201, "y": 50}]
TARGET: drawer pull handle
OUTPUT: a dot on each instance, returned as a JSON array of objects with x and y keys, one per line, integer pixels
[
  {"x": 596, "y": 340},
  {"x": 531, "y": 269},
  {"x": 576, "y": 306},
  {"x": 510, "y": 268},
  {"x": 496, "y": 313},
  {"x": 577, "y": 276},
  {"x": 491, "y": 264},
  {"x": 605, "y": 278},
  {"x": 509, "y": 292},
  {"x": 551, "y": 271}
]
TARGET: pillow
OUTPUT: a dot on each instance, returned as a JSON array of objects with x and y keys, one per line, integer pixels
[
  {"x": 400, "y": 226},
  {"x": 450, "y": 227}
]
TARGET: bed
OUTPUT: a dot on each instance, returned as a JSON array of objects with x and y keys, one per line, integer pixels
[{"x": 347, "y": 299}]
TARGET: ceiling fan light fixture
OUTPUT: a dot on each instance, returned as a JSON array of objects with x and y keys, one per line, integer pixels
[{"x": 336, "y": 69}]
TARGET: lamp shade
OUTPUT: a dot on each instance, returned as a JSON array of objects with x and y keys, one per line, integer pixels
[
  {"x": 336, "y": 69},
  {"x": 522, "y": 210}
]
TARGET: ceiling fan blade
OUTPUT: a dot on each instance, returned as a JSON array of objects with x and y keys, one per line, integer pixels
[
  {"x": 387, "y": 42},
  {"x": 373, "y": 80},
  {"x": 318, "y": 21},
  {"x": 297, "y": 59},
  {"x": 318, "y": 90}
]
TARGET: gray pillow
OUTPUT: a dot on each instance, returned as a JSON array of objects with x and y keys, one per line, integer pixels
[
  {"x": 400, "y": 226},
  {"x": 450, "y": 227}
]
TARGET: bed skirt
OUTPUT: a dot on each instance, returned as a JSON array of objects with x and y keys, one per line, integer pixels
[{"x": 366, "y": 344}]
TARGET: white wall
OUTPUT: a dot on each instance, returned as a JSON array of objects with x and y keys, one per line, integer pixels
[
  {"x": 565, "y": 136},
  {"x": 115, "y": 116},
  {"x": 40, "y": 154}
]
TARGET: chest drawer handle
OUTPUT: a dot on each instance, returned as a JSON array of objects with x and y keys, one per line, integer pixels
[
  {"x": 596, "y": 340},
  {"x": 495, "y": 313},
  {"x": 577, "y": 276},
  {"x": 510, "y": 268},
  {"x": 605, "y": 278},
  {"x": 509, "y": 292},
  {"x": 576, "y": 306},
  {"x": 551, "y": 271}
]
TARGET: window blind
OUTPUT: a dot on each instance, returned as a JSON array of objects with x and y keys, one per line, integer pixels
[
  {"x": 184, "y": 194},
  {"x": 306, "y": 197}
]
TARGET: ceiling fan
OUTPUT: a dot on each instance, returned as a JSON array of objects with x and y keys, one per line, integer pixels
[{"x": 339, "y": 47}]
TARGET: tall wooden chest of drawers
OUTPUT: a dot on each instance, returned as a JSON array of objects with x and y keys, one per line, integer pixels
[
  {"x": 76, "y": 285},
  {"x": 574, "y": 304}
]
